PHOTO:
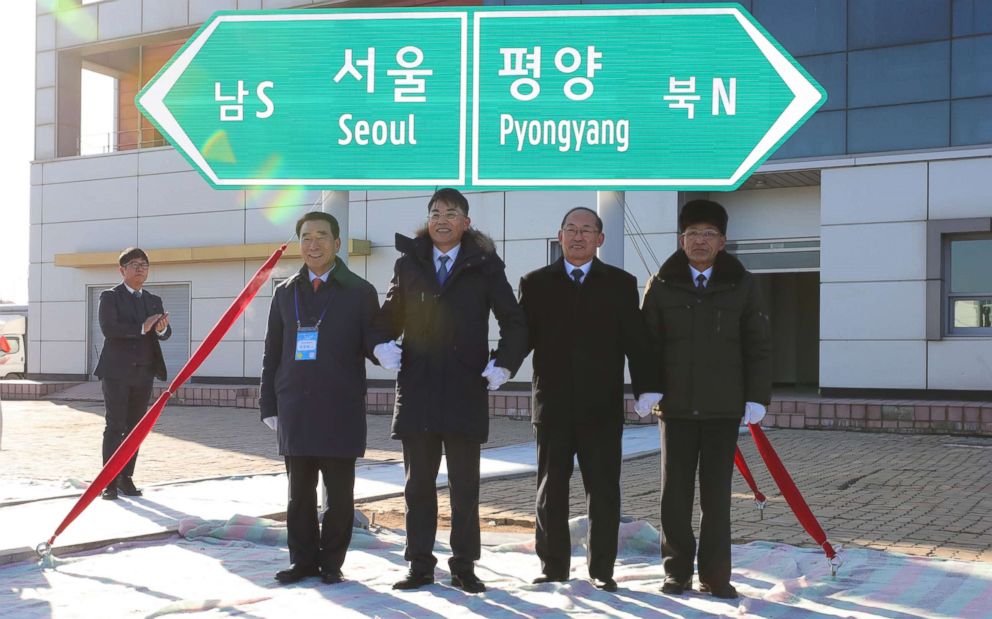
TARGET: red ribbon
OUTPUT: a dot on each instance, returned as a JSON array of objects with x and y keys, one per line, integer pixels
[
  {"x": 133, "y": 440},
  {"x": 746, "y": 474},
  {"x": 790, "y": 491}
]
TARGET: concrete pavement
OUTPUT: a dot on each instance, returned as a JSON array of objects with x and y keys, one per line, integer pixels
[{"x": 924, "y": 495}]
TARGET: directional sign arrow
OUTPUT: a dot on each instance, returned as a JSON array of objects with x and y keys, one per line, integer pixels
[
  {"x": 681, "y": 97},
  {"x": 318, "y": 98},
  {"x": 688, "y": 97}
]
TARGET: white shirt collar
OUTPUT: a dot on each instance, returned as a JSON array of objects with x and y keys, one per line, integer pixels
[
  {"x": 323, "y": 277},
  {"x": 569, "y": 267},
  {"x": 451, "y": 253},
  {"x": 132, "y": 290},
  {"x": 696, "y": 273}
]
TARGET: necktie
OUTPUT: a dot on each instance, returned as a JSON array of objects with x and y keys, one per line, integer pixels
[
  {"x": 700, "y": 281},
  {"x": 139, "y": 307},
  {"x": 316, "y": 283},
  {"x": 442, "y": 271},
  {"x": 577, "y": 276}
]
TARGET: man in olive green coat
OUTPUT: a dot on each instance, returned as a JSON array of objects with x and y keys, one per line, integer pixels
[{"x": 710, "y": 330}]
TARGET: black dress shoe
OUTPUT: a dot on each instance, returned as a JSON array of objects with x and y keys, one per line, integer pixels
[
  {"x": 109, "y": 493},
  {"x": 331, "y": 578},
  {"x": 126, "y": 487},
  {"x": 468, "y": 582},
  {"x": 606, "y": 584},
  {"x": 676, "y": 586},
  {"x": 414, "y": 580},
  {"x": 724, "y": 592},
  {"x": 296, "y": 573},
  {"x": 543, "y": 578}
]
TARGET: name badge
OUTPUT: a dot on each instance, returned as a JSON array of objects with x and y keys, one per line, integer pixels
[{"x": 306, "y": 344}]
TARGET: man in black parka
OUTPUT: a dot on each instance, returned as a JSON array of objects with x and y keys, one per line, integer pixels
[
  {"x": 707, "y": 319},
  {"x": 584, "y": 320},
  {"x": 443, "y": 288},
  {"x": 313, "y": 394}
]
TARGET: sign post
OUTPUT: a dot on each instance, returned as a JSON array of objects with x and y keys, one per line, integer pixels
[{"x": 680, "y": 97}]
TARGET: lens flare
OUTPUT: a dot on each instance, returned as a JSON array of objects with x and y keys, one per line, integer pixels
[
  {"x": 278, "y": 205},
  {"x": 217, "y": 148},
  {"x": 77, "y": 20}
]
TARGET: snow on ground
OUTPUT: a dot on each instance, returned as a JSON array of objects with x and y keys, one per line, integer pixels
[{"x": 216, "y": 572}]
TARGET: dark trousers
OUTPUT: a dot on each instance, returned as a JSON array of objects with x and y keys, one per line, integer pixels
[
  {"x": 598, "y": 448},
  {"x": 711, "y": 446},
  {"x": 421, "y": 461},
  {"x": 325, "y": 548},
  {"x": 126, "y": 402}
]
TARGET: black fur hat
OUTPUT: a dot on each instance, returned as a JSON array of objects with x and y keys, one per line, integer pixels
[{"x": 703, "y": 212}]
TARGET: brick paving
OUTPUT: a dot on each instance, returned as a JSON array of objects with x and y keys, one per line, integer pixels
[{"x": 925, "y": 495}]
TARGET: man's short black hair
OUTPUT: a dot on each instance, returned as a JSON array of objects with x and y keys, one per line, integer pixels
[
  {"x": 319, "y": 216},
  {"x": 130, "y": 254},
  {"x": 599, "y": 221},
  {"x": 451, "y": 197}
]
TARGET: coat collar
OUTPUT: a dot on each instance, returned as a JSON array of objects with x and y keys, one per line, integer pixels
[
  {"x": 727, "y": 270},
  {"x": 474, "y": 244},
  {"x": 597, "y": 268},
  {"x": 340, "y": 274}
]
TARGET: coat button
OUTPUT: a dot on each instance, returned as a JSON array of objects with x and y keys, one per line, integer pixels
[{"x": 695, "y": 412}]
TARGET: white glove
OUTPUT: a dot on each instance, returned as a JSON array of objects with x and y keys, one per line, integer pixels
[
  {"x": 495, "y": 375},
  {"x": 753, "y": 412},
  {"x": 272, "y": 422},
  {"x": 646, "y": 403},
  {"x": 389, "y": 355}
]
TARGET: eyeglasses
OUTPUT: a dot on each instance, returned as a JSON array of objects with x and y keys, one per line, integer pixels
[
  {"x": 702, "y": 235},
  {"x": 449, "y": 216},
  {"x": 573, "y": 231},
  {"x": 137, "y": 266},
  {"x": 315, "y": 240}
]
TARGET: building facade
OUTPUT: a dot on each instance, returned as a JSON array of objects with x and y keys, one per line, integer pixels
[{"x": 870, "y": 227}]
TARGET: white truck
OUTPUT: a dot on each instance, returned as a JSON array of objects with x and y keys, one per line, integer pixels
[{"x": 13, "y": 331}]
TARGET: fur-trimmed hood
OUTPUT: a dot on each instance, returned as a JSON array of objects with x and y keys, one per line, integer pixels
[
  {"x": 473, "y": 242},
  {"x": 726, "y": 270}
]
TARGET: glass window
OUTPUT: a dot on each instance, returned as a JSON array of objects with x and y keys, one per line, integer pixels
[
  {"x": 554, "y": 250},
  {"x": 972, "y": 17},
  {"x": 830, "y": 70},
  {"x": 822, "y": 134},
  {"x": 898, "y": 127},
  {"x": 971, "y": 260},
  {"x": 971, "y": 70},
  {"x": 9, "y": 345},
  {"x": 968, "y": 285},
  {"x": 971, "y": 121},
  {"x": 811, "y": 27},
  {"x": 898, "y": 75},
  {"x": 877, "y": 23}
]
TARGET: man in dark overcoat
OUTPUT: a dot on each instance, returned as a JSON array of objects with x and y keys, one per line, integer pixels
[
  {"x": 707, "y": 319},
  {"x": 133, "y": 322},
  {"x": 443, "y": 288},
  {"x": 313, "y": 394},
  {"x": 583, "y": 320}
]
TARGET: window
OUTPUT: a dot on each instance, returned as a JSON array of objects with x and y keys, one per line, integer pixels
[
  {"x": 968, "y": 285},
  {"x": 9, "y": 345},
  {"x": 554, "y": 250}
]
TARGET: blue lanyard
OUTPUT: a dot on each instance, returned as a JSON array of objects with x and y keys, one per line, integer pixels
[{"x": 296, "y": 302}]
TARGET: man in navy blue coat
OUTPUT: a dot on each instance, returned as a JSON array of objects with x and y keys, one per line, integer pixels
[{"x": 313, "y": 394}]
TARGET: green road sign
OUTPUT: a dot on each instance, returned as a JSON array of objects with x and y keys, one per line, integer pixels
[
  {"x": 319, "y": 98},
  {"x": 688, "y": 97}
]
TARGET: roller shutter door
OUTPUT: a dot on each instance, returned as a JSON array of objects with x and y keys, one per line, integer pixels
[{"x": 175, "y": 299}]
